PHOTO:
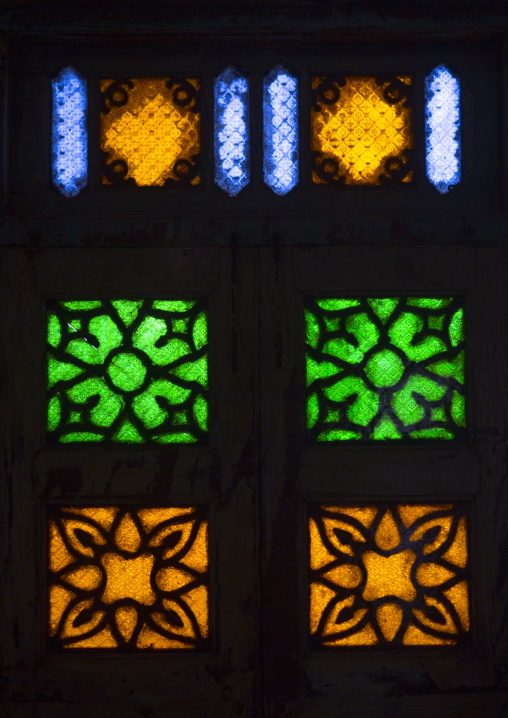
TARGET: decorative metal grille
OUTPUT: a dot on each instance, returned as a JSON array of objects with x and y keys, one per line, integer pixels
[
  {"x": 280, "y": 130},
  {"x": 132, "y": 371},
  {"x": 127, "y": 579},
  {"x": 442, "y": 128},
  {"x": 388, "y": 575},
  {"x": 385, "y": 368},
  {"x": 361, "y": 130},
  {"x": 232, "y": 145},
  {"x": 150, "y": 132},
  {"x": 70, "y": 138}
]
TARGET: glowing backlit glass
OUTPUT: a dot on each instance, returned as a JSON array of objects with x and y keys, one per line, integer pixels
[
  {"x": 280, "y": 129},
  {"x": 232, "y": 146},
  {"x": 442, "y": 128},
  {"x": 150, "y": 131},
  {"x": 70, "y": 140},
  {"x": 361, "y": 130},
  {"x": 127, "y": 370},
  {"x": 385, "y": 368},
  {"x": 388, "y": 575},
  {"x": 126, "y": 578}
]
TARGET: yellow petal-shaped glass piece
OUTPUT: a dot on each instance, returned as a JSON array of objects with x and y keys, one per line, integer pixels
[
  {"x": 126, "y": 618},
  {"x": 127, "y": 536},
  {"x": 389, "y": 618},
  {"x": 387, "y": 534},
  {"x": 87, "y": 578}
]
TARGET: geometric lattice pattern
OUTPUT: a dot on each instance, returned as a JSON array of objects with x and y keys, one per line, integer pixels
[
  {"x": 232, "y": 146},
  {"x": 127, "y": 371},
  {"x": 388, "y": 575},
  {"x": 280, "y": 126},
  {"x": 361, "y": 130},
  {"x": 127, "y": 579},
  {"x": 69, "y": 156},
  {"x": 150, "y": 132},
  {"x": 385, "y": 368},
  {"x": 442, "y": 128}
]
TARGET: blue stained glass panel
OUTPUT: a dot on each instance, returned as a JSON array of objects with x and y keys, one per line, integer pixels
[
  {"x": 232, "y": 172},
  {"x": 70, "y": 140},
  {"x": 442, "y": 128},
  {"x": 280, "y": 130}
]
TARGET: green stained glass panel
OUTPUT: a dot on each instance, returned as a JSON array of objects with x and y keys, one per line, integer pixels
[
  {"x": 385, "y": 368},
  {"x": 127, "y": 371}
]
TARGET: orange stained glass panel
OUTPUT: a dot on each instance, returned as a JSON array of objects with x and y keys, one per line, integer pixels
[
  {"x": 361, "y": 130},
  {"x": 125, "y": 578},
  {"x": 150, "y": 131},
  {"x": 388, "y": 575}
]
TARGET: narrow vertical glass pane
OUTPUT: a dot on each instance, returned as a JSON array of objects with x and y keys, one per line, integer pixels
[
  {"x": 442, "y": 128},
  {"x": 70, "y": 139},
  {"x": 231, "y": 131},
  {"x": 280, "y": 130}
]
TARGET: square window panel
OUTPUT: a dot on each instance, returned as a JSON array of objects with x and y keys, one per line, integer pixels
[
  {"x": 361, "y": 130},
  {"x": 128, "y": 578},
  {"x": 388, "y": 574},
  {"x": 150, "y": 132},
  {"x": 385, "y": 368},
  {"x": 127, "y": 371}
]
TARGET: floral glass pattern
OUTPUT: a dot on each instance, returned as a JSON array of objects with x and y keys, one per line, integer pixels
[
  {"x": 442, "y": 129},
  {"x": 128, "y": 371},
  {"x": 388, "y": 575},
  {"x": 280, "y": 130},
  {"x": 121, "y": 578},
  {"x": 232, "y": 146},
  {"x": 150, "y": 131},
  {"x": 70, "y": 138},
  {"x": 385, "y": 368},
  {"x": 361, "y": 130}
]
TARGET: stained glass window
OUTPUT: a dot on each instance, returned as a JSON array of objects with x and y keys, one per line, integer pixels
[
  {"x": 388, "y": 575},
  {"x": 150, "y": 131},
  {"x": 70, "y": 139},
  {"x": 232, "y": 146},
  {"x": 129, "y": 371},
  {"x": 361, "y": 130},
  {"x": 442, "y": 128},
  {"x": 280, "y": 129},
  {"x": 121, "y": 578},
  {"x": 385, "y": 368}
]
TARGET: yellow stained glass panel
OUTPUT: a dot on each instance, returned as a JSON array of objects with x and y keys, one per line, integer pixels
[
  {"x": 128, "y": 578},
  {"x": 150, "y": 131},
  {"x": 388, "y": 575},
  {"x": 361, "y": 130}
]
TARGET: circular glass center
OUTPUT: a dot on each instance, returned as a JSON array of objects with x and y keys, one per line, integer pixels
[
  {"x": 127, "y": 371},
  {"x": 384, "y": 368}
]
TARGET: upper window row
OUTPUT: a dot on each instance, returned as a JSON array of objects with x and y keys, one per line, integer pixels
[{"x": 362, "y": 131}]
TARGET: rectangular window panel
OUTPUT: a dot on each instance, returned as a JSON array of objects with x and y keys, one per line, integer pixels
[
  {"x": 127, "y": 578},
  {"x": 385, "y": 368},
  {"x": 127, "y": 370},
  {"x": 150, "y": 131},
  {"x": 389, "y": 574},
  {"x": 361, "y": 130}
]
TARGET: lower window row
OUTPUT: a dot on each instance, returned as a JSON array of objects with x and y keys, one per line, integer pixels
[{"x": 124, "y": 577}]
